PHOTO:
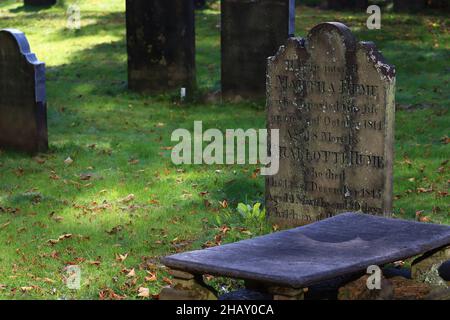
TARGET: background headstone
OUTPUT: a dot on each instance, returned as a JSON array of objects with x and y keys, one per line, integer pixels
[
  {"x": 161, "y": 45},
  {"x": 409, "y": 5},
  {"x": 200, "y": 4},
  {"x": 439, "y": 4},
  {"x": 39, "y": 2},
  {"x": 333, "y": 100},
  {"x": 23, "y": 115},
  {"x": 251, "y": 32},
  {"x": 347, "y": 4}
]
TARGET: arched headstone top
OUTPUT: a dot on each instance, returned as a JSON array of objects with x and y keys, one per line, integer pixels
[
  {"x": 323, "y": 31},
  {"x": 23, "y": 46},
  {"x": 294, "y": 42},
  {"x": 335, "y": 41},
  {"x": 23, "y": 116}
]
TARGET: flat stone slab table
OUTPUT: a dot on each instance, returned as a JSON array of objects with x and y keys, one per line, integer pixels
[{"x": 285, "y": 263}]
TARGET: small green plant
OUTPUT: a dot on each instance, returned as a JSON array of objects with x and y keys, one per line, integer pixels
[
  {"x": 252, "y": 214},
  {"x": 248, "y": 217},
  {"x": 254, "y": 217},
  {"x": 224, "y": 218}
]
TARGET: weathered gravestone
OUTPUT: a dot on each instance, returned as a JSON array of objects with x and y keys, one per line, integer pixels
[
  {"x": 333, "y": 100},
  {"x": 23, "y": 115},
  {"x": 161, "y": 45},
  {"x": 252, "y": 30},
  {"x": 347, "y": 4},
  {"x": 39, "y": 2},
  {"x": 409, "y": 5}
]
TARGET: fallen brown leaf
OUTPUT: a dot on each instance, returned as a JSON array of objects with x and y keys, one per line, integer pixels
[
  {"x": 224, "y": 204},
  {"x": 4, "y": 225},
  {"x": 131, "y": 273},
  {"x": 127, "y": 199},
  {"x": 143, "y": 292},
  {"x": 121, "y": 257},
  {"x": 168, "y": 281},
  {"x": 39, "y": 160},
  {"x": 151, "y": 276},
  {"x": 60, "y": 238},
  {"x": 68, "y": 161},
  {"x": 445, "y": 140}
]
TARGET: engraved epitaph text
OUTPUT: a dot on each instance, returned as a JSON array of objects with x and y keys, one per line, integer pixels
[{"x": 333, "y": 100}]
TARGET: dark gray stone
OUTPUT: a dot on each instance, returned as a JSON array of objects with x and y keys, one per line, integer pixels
[
  {"x": 439, "y": 4},
  {"x": 300, "y": 257},
  {"x": 444, "y": 271},
  {"x": 39, "y": 2},
  {"x": 409, "y": 5},
  {"x": 391, "y": 272},
  {"x": 251, "y": 32},
  {"x": 23, "y": 115},
  {"x": 329, "y": 289},
  {"x": 332, "y": 100},
  {"x": 245, "y": 294},
  {"x": 161, "y": 45},
  {"x": 347, "y": 4},
  {"x": 200, "y": 4}
]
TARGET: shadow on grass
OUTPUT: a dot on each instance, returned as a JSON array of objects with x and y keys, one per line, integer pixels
[
  {"x": 31, "y": 8},
  {"x": 113, "y": 23},
  {"x": 100, "y": 70}
]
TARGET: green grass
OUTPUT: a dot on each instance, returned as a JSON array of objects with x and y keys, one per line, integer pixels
[{"x": 120, "y": 139}]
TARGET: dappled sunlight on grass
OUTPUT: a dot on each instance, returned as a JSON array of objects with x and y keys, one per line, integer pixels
[{"x": 121, "y": 194}]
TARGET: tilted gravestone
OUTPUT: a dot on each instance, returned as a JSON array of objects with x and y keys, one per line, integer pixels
[
  {"x": 23, "y": 115},
  {"x": 332, "y": 98},
  {"x": 39, "y": 2},
  {"x": 251, "y": 32},
  {"x": 409, "y": 5},
  {"x": 161, "y": 45}
]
